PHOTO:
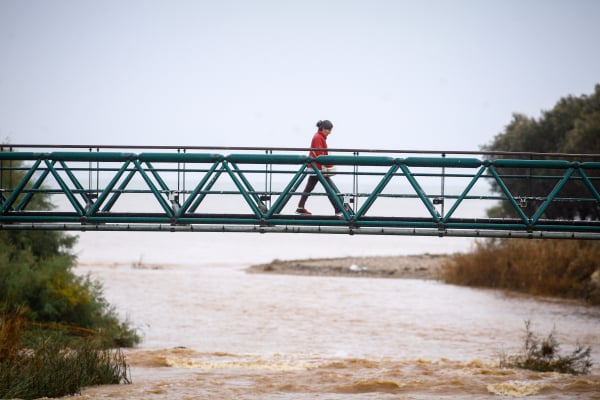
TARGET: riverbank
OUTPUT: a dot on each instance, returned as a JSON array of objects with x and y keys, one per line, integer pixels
[{"x": 422, "y": 266}]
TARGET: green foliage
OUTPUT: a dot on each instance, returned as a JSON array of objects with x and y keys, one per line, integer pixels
[
  {"x": 544, "y": 355},
  {"x": 572, "y": 126},
  {"x": 52, "y": 365},
  {"x": 560, "y": 268},
  {"x": 37, "y": 275}
]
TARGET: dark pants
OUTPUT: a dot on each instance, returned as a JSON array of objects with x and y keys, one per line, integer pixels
[{"x": 310, "y": 185}]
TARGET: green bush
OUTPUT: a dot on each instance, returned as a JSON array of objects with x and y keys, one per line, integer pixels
[{"x": 36, "y": 274}]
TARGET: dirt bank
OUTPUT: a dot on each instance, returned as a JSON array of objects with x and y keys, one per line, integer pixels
[{"x": 424, "y": 266}]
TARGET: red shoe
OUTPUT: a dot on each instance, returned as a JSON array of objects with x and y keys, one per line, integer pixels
[{"x": 302, "y": 211}]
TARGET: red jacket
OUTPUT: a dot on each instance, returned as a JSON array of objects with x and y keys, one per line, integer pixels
[{"x": 319, "y": 141}]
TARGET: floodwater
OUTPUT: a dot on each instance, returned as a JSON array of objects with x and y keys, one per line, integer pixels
[{"x": 212, "y": 331}]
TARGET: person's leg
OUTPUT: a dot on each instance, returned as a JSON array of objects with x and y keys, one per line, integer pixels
[
  {"x": 336, "y": 209},
  {"x": 310, "y": 185}
]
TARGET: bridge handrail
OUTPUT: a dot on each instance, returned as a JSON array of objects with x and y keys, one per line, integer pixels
[
  {"x": 181, "y": 157},
  {"x": 442, "y": 162},
  {"x": 268, "y": 159},
  {"x": 306, "y": 150},
  {"x": 290, "y": 159},
  {"x": 512, "y": 163},
  {"x": 81, "y": 156},
  {"x": 356, "y": 160}
]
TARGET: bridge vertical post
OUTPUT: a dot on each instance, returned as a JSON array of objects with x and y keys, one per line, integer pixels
[{"x": 443, "y": 186}]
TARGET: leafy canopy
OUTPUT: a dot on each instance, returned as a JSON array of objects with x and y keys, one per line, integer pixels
[{"x": 572, "y": 126}]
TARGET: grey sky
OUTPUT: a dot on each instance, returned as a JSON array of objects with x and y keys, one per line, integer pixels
[{"x": 441, "y": 75}]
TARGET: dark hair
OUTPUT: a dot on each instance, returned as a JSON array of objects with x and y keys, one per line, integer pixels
[{"x": 325, "y": 124}]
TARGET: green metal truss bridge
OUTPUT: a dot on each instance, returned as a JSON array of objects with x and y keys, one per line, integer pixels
[{"x": 249, "y": 189}]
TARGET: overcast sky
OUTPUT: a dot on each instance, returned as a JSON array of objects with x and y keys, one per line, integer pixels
[{"x": 432, "y": 75}]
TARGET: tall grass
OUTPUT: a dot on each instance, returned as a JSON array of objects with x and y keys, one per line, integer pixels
[
  {"x": 562, "y": 268},
  {"x": 54, "y": 364}
]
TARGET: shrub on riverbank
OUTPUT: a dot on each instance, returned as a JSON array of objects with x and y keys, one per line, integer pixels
[
  {"x": 562, "y": 268},
  {"x": 36, "y": 275},
  {"x": 544, "y": 355},
  {"x": 53, "y": 364}
]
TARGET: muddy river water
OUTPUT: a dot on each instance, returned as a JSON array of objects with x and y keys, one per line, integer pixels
[{"x": 212, "y": 331}]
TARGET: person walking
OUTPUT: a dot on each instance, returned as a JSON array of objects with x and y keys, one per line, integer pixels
[{"x": 319, "y": 148}]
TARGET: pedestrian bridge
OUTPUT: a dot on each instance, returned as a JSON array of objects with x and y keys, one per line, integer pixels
[{"x": 249, "y": 189}]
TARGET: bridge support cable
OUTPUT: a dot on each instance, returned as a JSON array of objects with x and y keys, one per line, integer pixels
[{"x": 191, "y": 190}]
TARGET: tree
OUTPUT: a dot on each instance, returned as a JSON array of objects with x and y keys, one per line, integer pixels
[{"x": 572, "y": 126}]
